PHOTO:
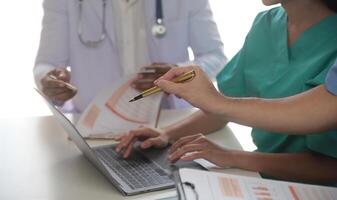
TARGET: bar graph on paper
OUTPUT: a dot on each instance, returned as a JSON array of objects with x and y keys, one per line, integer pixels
[
  {"x": 221, "y": 186},
  {"x": 236, "y": 189}
]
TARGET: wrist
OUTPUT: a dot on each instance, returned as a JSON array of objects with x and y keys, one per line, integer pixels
[
  {"x": 219, "y": 104},
  {"x": 224, "y": 107},
  {"x": 168, "y": 134},
  {"x": 245, "y": 160},
  {"x": 231, "y": 158}
]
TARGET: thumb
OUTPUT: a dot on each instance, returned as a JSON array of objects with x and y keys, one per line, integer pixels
[
  {"x": 168, "y": 86},
  {"x": 152, "y": 142},
  {"x": 63, "y": 75}
]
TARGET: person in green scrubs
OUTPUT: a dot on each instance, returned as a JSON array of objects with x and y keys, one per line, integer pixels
[{"x": 288, "y": 50}]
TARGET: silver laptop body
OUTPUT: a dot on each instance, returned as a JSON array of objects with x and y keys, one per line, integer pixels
[
  {"x": 157, "y": 158},
  {"x": 102, "y": 163}
]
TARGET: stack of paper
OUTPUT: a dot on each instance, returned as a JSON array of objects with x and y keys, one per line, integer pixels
[
  {"x": 111, "y": 113},
  {"x": 219, "y": 186}
]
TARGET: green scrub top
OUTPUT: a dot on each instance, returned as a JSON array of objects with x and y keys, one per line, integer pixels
[{"x": 266, "y": 67}]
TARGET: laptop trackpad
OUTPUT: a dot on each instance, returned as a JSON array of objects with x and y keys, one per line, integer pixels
[{"x": 160, "y": 157}]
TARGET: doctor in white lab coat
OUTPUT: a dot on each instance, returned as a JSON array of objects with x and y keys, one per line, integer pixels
[{"x": 129, "y": 43}]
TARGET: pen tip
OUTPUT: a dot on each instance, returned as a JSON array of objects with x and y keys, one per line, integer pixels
[{"x": 136, "y": 98}]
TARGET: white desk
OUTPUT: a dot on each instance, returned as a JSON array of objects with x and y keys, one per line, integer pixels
[{"x": 38, "y": 162}]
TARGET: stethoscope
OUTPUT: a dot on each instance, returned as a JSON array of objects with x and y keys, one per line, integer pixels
[{"x": 158, "y": 29}]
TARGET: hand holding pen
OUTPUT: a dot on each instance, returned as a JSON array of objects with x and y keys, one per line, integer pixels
[
  {"x": 155, "y": 89},
  {"x": 57, "y": 87},
  {"x": 189, "y": 83},
  {"x": 199, "y": 91}
]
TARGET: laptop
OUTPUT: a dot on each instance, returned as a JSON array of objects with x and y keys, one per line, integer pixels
[{"x": 144, "y": 171}]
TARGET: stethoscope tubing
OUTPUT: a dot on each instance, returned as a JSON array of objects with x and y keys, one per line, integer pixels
[
  {"x": 159, "y": 22},
  {"x": 159, "y": 10}
]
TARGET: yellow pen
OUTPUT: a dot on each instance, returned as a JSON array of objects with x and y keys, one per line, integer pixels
[{"x": 184, "y": 77}]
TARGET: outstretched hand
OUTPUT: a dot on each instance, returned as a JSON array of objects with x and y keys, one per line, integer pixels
[
  {"x": 199, "y": 91},
  {"x": 57, "y": 87}
]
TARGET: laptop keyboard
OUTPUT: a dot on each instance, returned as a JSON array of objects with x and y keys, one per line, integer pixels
[{"x": 137, "y": 171}]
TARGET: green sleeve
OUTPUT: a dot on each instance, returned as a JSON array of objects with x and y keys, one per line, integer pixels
[
  {"x": 324, "y": 143},
  {"x": 319, "y": 79},
  {"x": 231, "y": 80}
]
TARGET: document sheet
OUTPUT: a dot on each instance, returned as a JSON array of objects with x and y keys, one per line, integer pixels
[
  {"x": 111, "y": 113},
  {"x": 219, "y": 186}
]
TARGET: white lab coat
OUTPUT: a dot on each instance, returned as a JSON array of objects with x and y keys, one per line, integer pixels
[{"x": 189, "y": 24}]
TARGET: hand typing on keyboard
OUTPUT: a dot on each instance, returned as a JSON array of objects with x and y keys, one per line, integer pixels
[
  {"x": 149, "y": 137},
  {"x": 137, "y": 172}
]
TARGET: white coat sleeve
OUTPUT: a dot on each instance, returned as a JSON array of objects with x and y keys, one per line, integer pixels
[
  {"x": 204, "y": 39},
  {"x": 53, "y": 50}
]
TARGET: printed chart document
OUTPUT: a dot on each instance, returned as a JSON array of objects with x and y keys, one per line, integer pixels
[
  {"x": 219, "y": 186},
  {"x": 111, "y": 113}
]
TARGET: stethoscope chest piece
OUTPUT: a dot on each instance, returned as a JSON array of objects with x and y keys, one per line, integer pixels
[{"x": 159, "y": 29}]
